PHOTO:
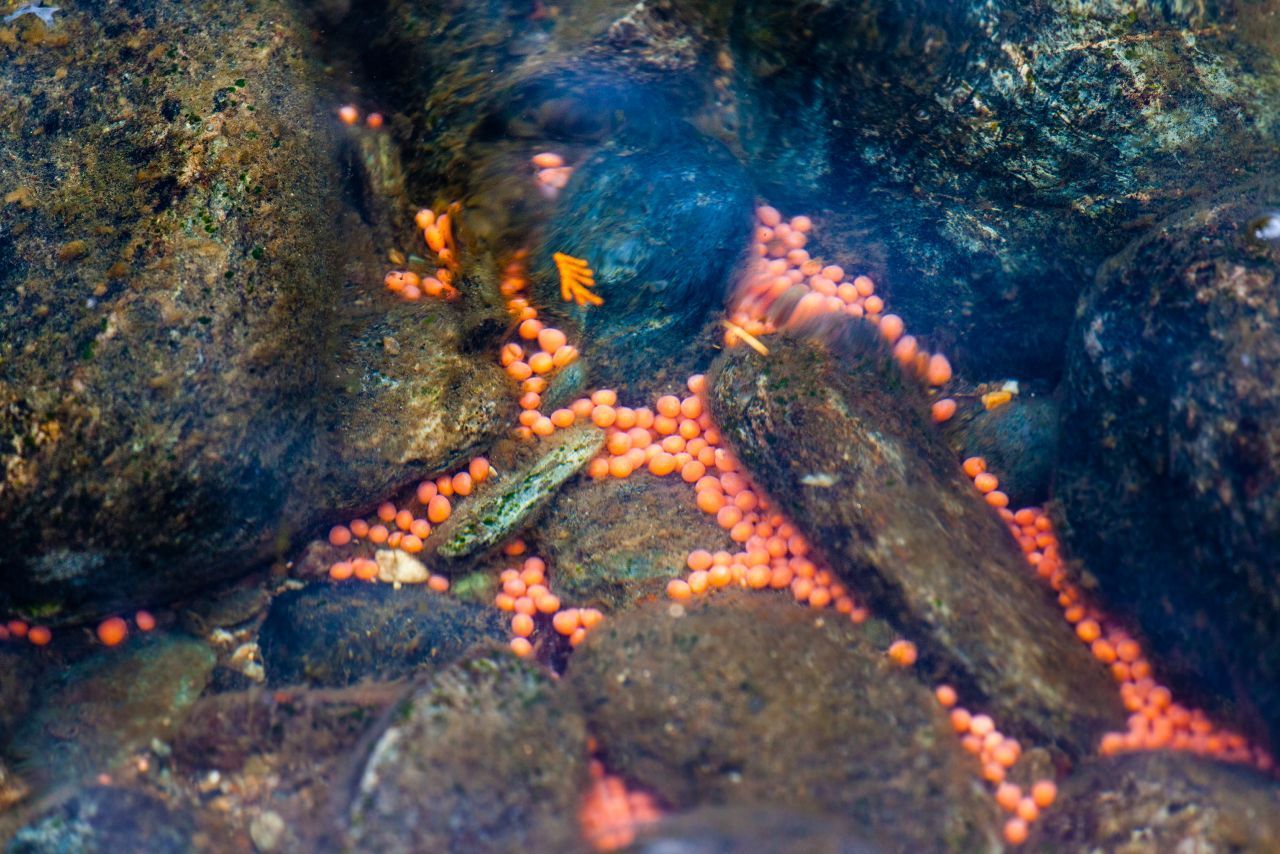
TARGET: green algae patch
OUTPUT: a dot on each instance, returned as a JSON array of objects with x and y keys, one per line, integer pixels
[{"x": 505, "y": 506}]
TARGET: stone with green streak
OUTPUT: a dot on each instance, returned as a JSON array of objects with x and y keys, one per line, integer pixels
[{"x": 508, "y": 503}]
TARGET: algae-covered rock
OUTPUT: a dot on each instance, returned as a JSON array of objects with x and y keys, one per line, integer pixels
[
  {"x": 334, "y": 635},
  {"x": 1145, "y": 803},
  {"x": 613, "y": 541},
  {"x": 511, "y": 499},
  {"x": 748, "y": 700},
  {"x": 840, "y": 438},
  {"x": 104, "y": 818},
  {"x": 192, "y": 326},
  {"x": 486, "y": 755},
  {"x": 1169, "y": 471},
  {"x": 90, "y": 715}
]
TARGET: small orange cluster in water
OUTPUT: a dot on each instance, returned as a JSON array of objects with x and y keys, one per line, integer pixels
[
  {"x": 404, "y": 529},
  {"x": 1156, "y": 722},
  {"x": 523, "y": 363},
  {"x": 349, "y": 114},
  {"x": 19, "y": 630},
  {"x": 114, "y": 630},
  {"x": 785, "y": 274},
  {"x": 610, "y": 814},
  {"x": 997, "y": 753},
  {"x": 552, "y": 175},
  {"x": 525, "y": 595},
  {"x": 110, "y": 632},
  {"x": 437, "y": 230}
]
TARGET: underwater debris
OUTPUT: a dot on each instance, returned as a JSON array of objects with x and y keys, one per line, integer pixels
[{"x": 44, "y": 13}]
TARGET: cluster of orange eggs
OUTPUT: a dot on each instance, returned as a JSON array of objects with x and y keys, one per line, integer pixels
[
  {"x": 552, "y": 175},
  {"x": 996, "y": 754},
  {"x": 19, "y": 630},
  {"x": 349, "y": 114},
  {"x": 537, "y": 353},
  {"x": 110, "y": 632},
  {"x": 783, "y": 267},
  {"x": 406, "y": 528},
  {"x": 1155, "y": 721},
  {"x": 525, "y": 595},
  {"x": 610, "y": 814},
  {"x": 437, "y": 231}
]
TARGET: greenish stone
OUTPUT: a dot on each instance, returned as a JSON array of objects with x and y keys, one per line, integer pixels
[{"x": 509, "y": 502}]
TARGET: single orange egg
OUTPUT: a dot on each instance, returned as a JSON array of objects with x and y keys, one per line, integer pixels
[{"x": 112, "y": 631}]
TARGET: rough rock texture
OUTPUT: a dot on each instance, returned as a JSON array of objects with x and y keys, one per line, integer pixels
[
  {"x": 17, "y": 683},
  {"x": 840, "y": 438},
  {"x": 304, "y": 728},
  {"x": 748, "y": 700},
  {"x": 471, "y": 78},
  {"x": 339, "y": 634},
  {"x": 102, "y": 819},
  {"x": 612, "y": 542},
  {"x": 981, "y": 158},
  {"x": 1157, "y": 802},
  {"x": 487, "y": 755},
  {"x": 88, "y": 716},
  {"x": 1169, "y": 474},
  {"x": 721, "y": 830},
  {"x": 193, "y": 339}
]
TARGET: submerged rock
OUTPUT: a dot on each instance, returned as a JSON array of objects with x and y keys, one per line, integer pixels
[
  {"x": 306, "y": 731},
  {"x": 17, "y": 684},
  {"x": 639, "y": 215},
  {"x": 102, "y": 818},
  {"x": 721, "y": 830},
  {"x": 89, "y": 716},
  {"x": 840, "y": 439},
  {"x": 1156, "y": 802},
  {"x": 486, "y": 755},
  {"x": 192, "y": 369},
  {"x": 749, "y": 700},
  {"x": 614, "y": 542},
  {"x": 1019, "y": 440},
  {"x": 332, "y": 635},
  {"x": 998, "y": 151},
  {"x": 1169, "y": 472}
]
